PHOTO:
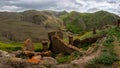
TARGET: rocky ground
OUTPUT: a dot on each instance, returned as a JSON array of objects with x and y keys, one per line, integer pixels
[{"x": 8, "y": 60}]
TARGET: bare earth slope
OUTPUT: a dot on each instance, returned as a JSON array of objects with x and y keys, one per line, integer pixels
[{"x": 18, "y": 26}]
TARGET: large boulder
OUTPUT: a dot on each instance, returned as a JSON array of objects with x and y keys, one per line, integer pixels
[{"x": 49, "y": 60}]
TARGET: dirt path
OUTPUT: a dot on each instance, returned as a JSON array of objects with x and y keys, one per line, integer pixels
[{"x": 80, "y": 63}]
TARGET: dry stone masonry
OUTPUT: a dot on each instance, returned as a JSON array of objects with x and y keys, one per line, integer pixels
[
  {"x": 70, "y": 40},
  {"x": 45, "y": 45},
  {"x": 28, "y": 45}
]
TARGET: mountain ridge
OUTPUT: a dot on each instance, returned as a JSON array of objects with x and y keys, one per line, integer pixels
[{"x": 18, "y": 26}]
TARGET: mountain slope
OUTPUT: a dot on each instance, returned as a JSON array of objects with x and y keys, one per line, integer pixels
[
  {"x": 78, "y": 22},
  {"x": 28, "y": 24},
  {"x": 18, "y": 26}
]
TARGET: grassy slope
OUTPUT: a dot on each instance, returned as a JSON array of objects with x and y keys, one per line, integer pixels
[
  {"x": 79, "y": 22},
  {"x": 110, "y": 54},
  {"x": 17, "y": 46}
]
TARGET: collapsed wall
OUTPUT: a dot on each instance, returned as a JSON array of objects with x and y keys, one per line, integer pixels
[
  {"x": 57, "y": 45},
  {"x": 78, "y": 42}
]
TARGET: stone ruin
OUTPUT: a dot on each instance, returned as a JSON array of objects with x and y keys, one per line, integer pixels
[
  {"x": 94, "y": 30},
  {"x": 28, "y": 45},
  {"x": 70, "y": 39},
  {"x": 78, "y": 42},
  {"x": 118, "y": 23},
  {"x": 50, "y": 34},
  {"x": 57, "y": 45},
  {"x": 45, "y": 45}
]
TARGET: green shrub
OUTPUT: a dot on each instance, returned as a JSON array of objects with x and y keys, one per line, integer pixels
[
  {"x": 106, "y": 58},
  {"x": 108, "y": 41},
  {"x": 68, "y": 58},
  {"x": 63, "y": 59}
]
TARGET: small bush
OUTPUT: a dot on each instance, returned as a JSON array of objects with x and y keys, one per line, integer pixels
[
  {"x": 108, "y": 41},
  {"x": 63, "y": 59},
  {"x": 68, "y": 58},
  {"x": 106, "y": 58}
]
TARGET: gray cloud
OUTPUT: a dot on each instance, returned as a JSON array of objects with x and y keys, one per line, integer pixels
[{"x": 69, "y": 5}]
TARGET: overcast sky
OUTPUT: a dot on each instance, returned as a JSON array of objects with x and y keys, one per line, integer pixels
[{"x": 59, "y": 5}]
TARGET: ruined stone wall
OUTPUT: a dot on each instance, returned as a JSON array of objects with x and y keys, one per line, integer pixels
[
  {"x": 59, "y": 46},
  {"x": 90, "y": 40},
  {"x": 51, "y": 34},
  {"x": 28, "y": 45}
]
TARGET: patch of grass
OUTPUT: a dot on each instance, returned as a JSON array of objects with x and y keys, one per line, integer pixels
[
  {"x": 114, "y": 31},
  {"x": 38, "y": 47},
  {"x": 108, "y": 42},
  {"x": 63, "y": 59},
  {"x": 9, "y": 46},
  {"x": 14, "y": 46},
  {"x": 88, "y": 35},
  {"x": 68, "y": 58},
  {"x": 84, "y": 46},
  {"x": 106, "y": 58}
]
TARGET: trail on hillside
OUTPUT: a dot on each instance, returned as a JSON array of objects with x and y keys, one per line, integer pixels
[{"x": 80, "y": 63}]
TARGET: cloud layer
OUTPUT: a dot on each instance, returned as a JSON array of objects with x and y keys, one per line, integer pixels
[{"x": 59, "y": 5}]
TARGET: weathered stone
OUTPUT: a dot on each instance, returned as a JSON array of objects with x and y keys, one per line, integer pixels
[
  {"x": 51, "y": 34},
  {"x": 49, "y": 60},
  {"x": 4, "y": 54},
  {"x": 35, "y": 59},
  {"x": 28, "y": 45},
  {"x": 94, "y": 31},
  {"x": 45, "y": 45},
  {"x": 17, "y": 53},
  {"x": 78, "y": 42},
  {"x": 47, "y": 53},
  {"x": 118, "y": 22},
  {"x": 17, "y": 63},
  {"x": 59, "y": 46},
  {"x": 70, "y": 40},
  {"x": 30, "y": 54},
  {"x": 59, "y": 33}
]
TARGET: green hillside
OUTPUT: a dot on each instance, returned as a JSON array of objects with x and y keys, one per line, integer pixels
[{"x": 79, "y": 22}]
